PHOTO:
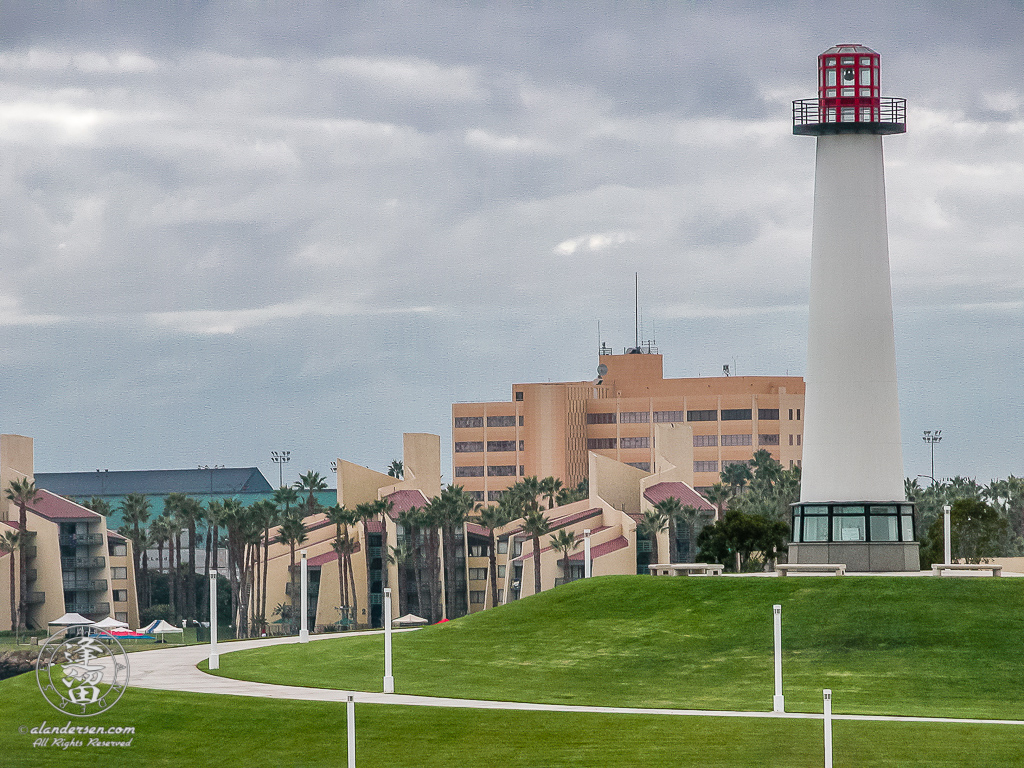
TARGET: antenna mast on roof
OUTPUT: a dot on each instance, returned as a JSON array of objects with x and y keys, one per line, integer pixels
[{"x": 636, "y": 309}]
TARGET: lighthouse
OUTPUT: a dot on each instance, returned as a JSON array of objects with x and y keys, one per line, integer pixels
[{"x": 852, "y": 507}]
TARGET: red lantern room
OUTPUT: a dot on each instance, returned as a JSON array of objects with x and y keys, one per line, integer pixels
[{"x": 849, "y": 97}]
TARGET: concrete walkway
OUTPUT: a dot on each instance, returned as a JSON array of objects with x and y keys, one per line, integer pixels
[{"x": 175, "y": 669}]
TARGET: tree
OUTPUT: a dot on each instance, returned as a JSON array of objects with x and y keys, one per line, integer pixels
[
  {"x": 565, "y": 542},
  {"x": 265, "y": 517},
  {"x": 493, "y": 517},
  {"x": 397, "y": 469},
  {"x": 718, "y": 494},
  {"x": 292, "y": 532},
  {"x": 535, "y": 525},
  {"x": 736, "y": 475},
  {"x": 10, "y": 542},
  {"x": 98, "y": 504},
  {"x": 342, "y": 517},
  {"x": 311, "y": 482},
  {"x": 652, "y": 523},
  {"x": 23, "y": 493},
  {"x": 670, "y": 509},
  {"x": 741, "y": 534},
  {"x": 455, "y": 507},
  {"x": 550, "y": 488},
  {"x": 976, "y": 530},
  {"x": 135, "y": 513}
]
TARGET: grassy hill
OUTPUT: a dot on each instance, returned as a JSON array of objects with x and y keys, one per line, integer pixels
[{"x": 907, "y": 646}]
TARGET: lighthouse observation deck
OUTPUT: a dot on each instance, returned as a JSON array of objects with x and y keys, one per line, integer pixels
[{"x": 816, "y": 117}]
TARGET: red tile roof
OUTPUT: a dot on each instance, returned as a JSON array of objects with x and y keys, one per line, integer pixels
[
  {"x": 561, "y": 522},
  {"x": 579, "y": 540},
  {"x": 116, "y": 536},
  {"x": 686, "y": 495},
  {"x": 607, "y": 547},
  {"x": 326, "y": 557},
  {"x": 54, "y": 507},
  {"x": 477, "y": 530},
  {"x": 373, "y": 526},
  {"x": 402, "y": 501}
]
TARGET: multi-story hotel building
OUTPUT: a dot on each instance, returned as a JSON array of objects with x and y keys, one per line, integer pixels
[{"x": 548, "y": 429}]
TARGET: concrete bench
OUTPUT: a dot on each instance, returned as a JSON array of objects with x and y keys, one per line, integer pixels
[
  {"x": 784, "y": 569},
  {"x": 938, "y": 568},
  {"x": 686, "y": 569}
]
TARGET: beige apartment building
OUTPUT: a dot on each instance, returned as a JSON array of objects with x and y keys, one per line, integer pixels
[{"x": 549, "y": 429}]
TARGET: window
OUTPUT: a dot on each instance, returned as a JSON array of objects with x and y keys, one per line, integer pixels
[
  {"x": 476, "y": 596},
  {"x": 705, "y": 466},
  {"x": 790, "y": 439},
  {"x": 501, "y": 421},
  {"x": 736, "y": 414},
  {"x": 663, "y": 417},
  {"x": 798, "y": 414},
  {"x": 815, "y": 523},
  {"x": 767, "y": 439},
  {"x": 634, "y": 417},
  {"x": 635, "y": 442},
  {"x": 501, "y": 445},
  {"x": 120, "y": 595},
  {"x": 705, "y": 441},
  {"x": 119, "y": 550},
  {"x": 119, "y": 573},
  {"x": 522, "y": 469},
  {"x": 501, "y": 595},
  {"x": 477, "y": 574},
  {"x": 730, "y": 462},
  {"x": 501, "y": 568},
  {"x": 768, "y": 414},
  {"x": 502, "y": 550},
  {"x": 790, "y": 414},
  {"x": 477, "y": 471},
  {"x": 600, "y": 418},
  {"x": 519, "y": 397},
  {"x": 644, "y": 465},
  {"x": 470, "y": 447},
  {"x": 477, "y": 495},
  {"x": 520, "y": 421},
  {"x": 848, "y": 524},
  {"x": 601, "y": 443},
  {"x": 702, "y": 415},
  {"x": 798, "y": 439},
  {"x": 468, "y": 422},
  {"x": 477, "y": 550},
  {"x": 121, "y": 616},
  {"x": 735, "y": 439},
  {"x": 501, "y": 470}
]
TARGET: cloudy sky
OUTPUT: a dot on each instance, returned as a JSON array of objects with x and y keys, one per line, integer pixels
[{"x": 235, "y": 227}]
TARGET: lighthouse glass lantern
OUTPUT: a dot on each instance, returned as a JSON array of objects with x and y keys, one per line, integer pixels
[{"x": 849, "y": 97}]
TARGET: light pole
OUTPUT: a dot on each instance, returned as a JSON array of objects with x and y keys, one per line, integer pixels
[
  {"x": 778, "y": 701},
  {"x": 214, "y": 655},
  {"x": 932, "y": 437},
  {"x": 304, "y": 601},
  {"x": 587, "y": 568},
  {"x": 280, "y": 458},
  {"x": 389, "y": 678}
]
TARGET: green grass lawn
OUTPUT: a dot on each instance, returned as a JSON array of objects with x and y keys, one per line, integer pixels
[
  {"x": 902, "y": 646},
  {"x": 196, "y": 730}
]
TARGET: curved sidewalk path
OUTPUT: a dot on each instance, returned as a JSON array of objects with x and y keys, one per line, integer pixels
[{"x": 175, "y": 669}]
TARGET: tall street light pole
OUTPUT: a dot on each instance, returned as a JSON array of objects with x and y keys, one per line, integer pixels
[
  {"x": 280, "y": 458},
  {"x": 932, "y": 437}
]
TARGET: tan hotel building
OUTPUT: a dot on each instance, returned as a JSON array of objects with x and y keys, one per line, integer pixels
[{"x": 548, "y": 429}]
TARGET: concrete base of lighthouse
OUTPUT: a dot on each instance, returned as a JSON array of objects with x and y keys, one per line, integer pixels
[
  {"x": 866, "y": 536},
  {"x": 861, "y": 557}
]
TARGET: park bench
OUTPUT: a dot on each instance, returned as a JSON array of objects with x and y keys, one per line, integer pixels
[
  {"x": 686, "y": 569},
  {"x": 938, "y": 568},
  {"x": 784, "y": 569}
]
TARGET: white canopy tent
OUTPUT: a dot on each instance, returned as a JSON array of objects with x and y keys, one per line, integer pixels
[
  {"x": 161, "y": 627},
  {"x": 409, "y": 620},
  {"x": 110, "y": 623}
]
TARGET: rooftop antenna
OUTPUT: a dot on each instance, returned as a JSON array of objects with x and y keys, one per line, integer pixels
[{"x": 636, "y": 316}]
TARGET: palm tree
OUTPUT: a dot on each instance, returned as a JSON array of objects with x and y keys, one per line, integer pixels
[
  {"x": 493, "y": 517},
  {"x": 565, "y": 542},
  {"x": 652, "y": 523},
  {"x": 10, "y": 542},
  {"x": 22, "y": 492},
  {"x": 410, "y": 520},
  {"x": 311, "y": 482},
  {"x": 98, "y": 504},
  {"x": 670, "y": 509},
  {"x": 765, "y": 467},
  {"x": 397, "y": 469},
  {"x": 455, "y": 507},
  {"x": 550, "y": 487},
  {"x": 293, "y": 533},
  {"x": 429, "y": 521},
  {"x": 264, "y": 518},
  {"x": 536, "y": 525},
  {"x": 342, "y": 517},
  {"x": 736, "y": 475},
  {"x": 284, "y": 497},
  {"x": 717, "y": 494},
  {"x": 135, "y": 513}
]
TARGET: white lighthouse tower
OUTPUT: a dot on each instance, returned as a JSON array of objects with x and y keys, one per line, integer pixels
[{"x": 852, "y": 505}]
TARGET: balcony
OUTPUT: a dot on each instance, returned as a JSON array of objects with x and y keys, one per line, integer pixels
[
  {"x": 31, "y": 574},
  {"x": 88, "y": 608},
  {"x": 30, "y": 552},
  {"x": 81, "y": 539},
  {"x": 312, "y": 588},
  {"x": 96, "y": 585},
  {"x": 70, "y": 563},
  {"x": 34, "y": 598}
]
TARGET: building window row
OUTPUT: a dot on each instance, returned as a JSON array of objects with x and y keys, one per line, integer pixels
[
  {"x": 767, "y": 439},
  {"x": 644, "y": 465},
  {"x": 667, "y": 417},
  {"x": 470, "y": 471},
  {"x": 477, "y": 574},
  {"x": 635, "y": 442},
  {"x": 477, "y": 495},
  {"x": 705, "y": 441},
  {"x": 468, "y": 422},
  {"x": 503, "y": 445},
  {"x": 797, "y": 414},
  {"x": 798, "y": 439},
  {"x": 737, "y": 414},
  {"x": 767, "y": 414},
  {"x": 853, "y": 522},
  {"x": 634, "y": 417},
  {"x": 702, "y": 415},
  {"x": 470, "y": 447},
  {"x": 494, "y": 495},
  {"x": 501, "y": 470},
  {"x": 736, "y": 439},
  {"x": 600, "y": 418},
  {"x": 705, "y": 466},
  {"x": 501, "y": 421},
  {"x": 730, "y": 462},
  {"x": 601, "y": 443}
]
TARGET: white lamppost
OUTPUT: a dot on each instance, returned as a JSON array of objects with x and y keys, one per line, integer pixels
[
  {"x": 389, "y": 680},
  {"x": 214, "y": 655},
  {"x": 947, "y": 539},
  {"x": 933, "y": 437},
  {"x": 303, "y": 600},
  {"x": 827, "y": 694},
  {"x": 350, "y": 708},
  {"x": 778, "y": 701},
  {"x": 588, "y": 569}
]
